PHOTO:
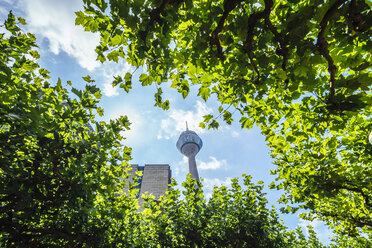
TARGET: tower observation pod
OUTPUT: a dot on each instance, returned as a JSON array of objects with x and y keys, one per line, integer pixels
[{"x": 189, "y": 144}]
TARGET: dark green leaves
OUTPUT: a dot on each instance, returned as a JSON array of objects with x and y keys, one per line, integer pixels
[
  {"x": 228, "y": 219},
  {"x": 34, "y": 54},
  {"x": 246, "y": 123},
  {"x": 77, "y": 92},
  {"x": 299, "y": 70},
  {"x": 60, "y": 183},
  {"x": 184, "y": 88},
  {"x": 88, "y": 79},
  {"x": 127, "y": 84},
  {"x": 10, "y": 24},
  {"x": 21, "y": 20},
  {"x": 100, "y": 111}
]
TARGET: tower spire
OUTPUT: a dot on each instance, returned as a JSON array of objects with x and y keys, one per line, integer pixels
[{"x": 187, "y": 127}]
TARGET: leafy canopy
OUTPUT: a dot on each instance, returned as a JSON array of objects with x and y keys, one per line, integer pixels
[
  {"x": 233, "y": 217},
  {"x": 62, "y": 182},
  {"x": 301, "y": 70}
]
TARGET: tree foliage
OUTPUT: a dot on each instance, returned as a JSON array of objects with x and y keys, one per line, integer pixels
[
  {"x": 62, "y": 183},
  {"x": 301, "y": 70},
  {"x": 232, "y": 217}
]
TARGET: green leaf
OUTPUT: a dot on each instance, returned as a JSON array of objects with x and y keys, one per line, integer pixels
[
  {"x": 21, "y": 20},
  {"x": 43, "y": 72},
  {"x": 165, "y": 105},
  {"x": 34, "y": 54},
  {"x": 100, "y": 111},
  {"x": 88, "y": 79},
  {"x": 77, "y": 92},
  {"x": 204, "y": 92},
  {"x": 207, "y": 118},
  {"x": 184, "y": 88},
  {"x": 282, "y": 74},
  {"x": 114, "y": 56},
  {"x": 117, "y": 80},
  {"x": 145, "y": 79},
  {"x": 116, "y": 40},
  {"x": 213, "y": 124},
  {"x": 227, "y": 117},
  {"x": 246, "y": 122}
]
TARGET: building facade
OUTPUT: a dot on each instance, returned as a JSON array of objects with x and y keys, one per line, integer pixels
[{"x": 154, "y": 180}]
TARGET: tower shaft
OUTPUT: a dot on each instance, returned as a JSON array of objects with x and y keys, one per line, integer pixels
[{"x": 192, "y": 168}]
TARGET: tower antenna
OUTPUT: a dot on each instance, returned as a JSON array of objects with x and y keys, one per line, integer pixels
[{"x": 187, "y": 127}]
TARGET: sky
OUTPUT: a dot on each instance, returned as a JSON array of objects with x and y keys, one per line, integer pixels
[{"x": 68, "y": 53}]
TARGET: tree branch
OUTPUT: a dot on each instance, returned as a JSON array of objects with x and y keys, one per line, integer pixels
[
  {"x": 322, "y": 46},
  {"x": 257, "y": 81},
  {"x": 282, "y": 46},
  {"x": 228, "y": 6},
  {"x": 248, "y": 43},
  {"x": 355, "y": 17},
  {"x": 360, "y": 222},
  {"x": 252, "y": 21},
  {"x": 155, "y": 16},
  {"x": 356, "y": 190}
]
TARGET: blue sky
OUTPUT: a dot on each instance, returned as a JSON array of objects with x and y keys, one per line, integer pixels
[{"x": 68, "y": 52}]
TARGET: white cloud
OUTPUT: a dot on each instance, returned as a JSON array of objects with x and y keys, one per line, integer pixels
[
  {"x": 3, "y": 12},
  {"x": 175, "y": 123},
  {"x": 109, "y": 90},
  {"x": 55, "y": 21},
  {"x": 210, "y": 183},
  {"x": 108, "y": 71},
  {"x": 213, "y": 164},
  {"x": 180, "y": 169},
  {"x": 305, "y": 223},
  {"x": 136, "y": 133},
  {"x": 5, "y": 7},
  {"x": 320, "y": 229},
  {"x": 235, "y": 134}
]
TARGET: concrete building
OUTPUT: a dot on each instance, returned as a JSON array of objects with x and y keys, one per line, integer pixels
[{"x": 154, "y": 180}]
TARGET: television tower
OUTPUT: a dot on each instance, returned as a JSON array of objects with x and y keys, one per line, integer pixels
[{"x": 189, "y": 144}]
